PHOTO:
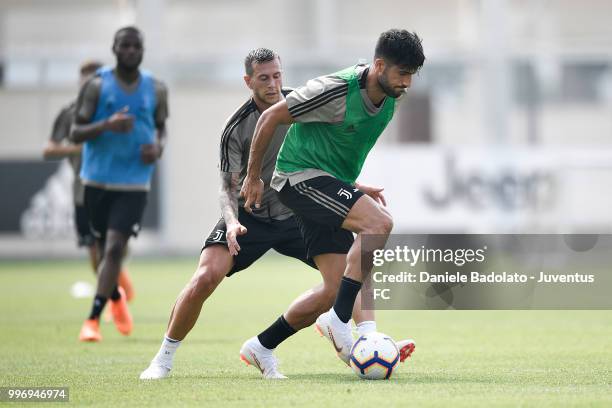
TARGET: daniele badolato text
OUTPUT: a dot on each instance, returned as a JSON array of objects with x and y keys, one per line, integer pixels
[{"x": 461, "y": 258}]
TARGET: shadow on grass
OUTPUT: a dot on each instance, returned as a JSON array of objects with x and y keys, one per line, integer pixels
[
  {"x": 255, "y": 379},
  {"x": 145, "y": 340},
  {"x": 405, "y": 378},
  {"x": 344, "y": 378}
]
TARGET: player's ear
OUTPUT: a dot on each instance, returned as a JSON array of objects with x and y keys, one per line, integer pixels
[
  {"x": 247, "y": 81},
  {"x": 379, "y": 64}
]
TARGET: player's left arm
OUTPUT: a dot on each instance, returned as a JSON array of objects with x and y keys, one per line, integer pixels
[
  {"x": 270, "y": 119},
  {"x": 151, "y": 152}
]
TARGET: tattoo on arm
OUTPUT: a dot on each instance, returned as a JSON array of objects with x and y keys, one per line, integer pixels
[{"x": 228, "y": 197}]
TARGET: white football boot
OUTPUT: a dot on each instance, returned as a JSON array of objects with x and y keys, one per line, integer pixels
[
  {"x": 253, "y": 353},
  {"x": 155, "y": 371},
  {"x": 338, "y": 333}
]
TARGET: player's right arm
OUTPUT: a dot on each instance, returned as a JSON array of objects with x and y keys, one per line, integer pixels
[
  {"x": 232, "y": 147},
  {"x": 270, "y": 119},
  {"x": 55, "y": 149},
  {"x": 229, "y": 208},
  {"x": 83, "y": 128}
]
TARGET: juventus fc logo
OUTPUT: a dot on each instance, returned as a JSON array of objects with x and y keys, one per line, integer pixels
[
  {"x": 218, "y": 234},
  {"x": 346, "y": 194}
]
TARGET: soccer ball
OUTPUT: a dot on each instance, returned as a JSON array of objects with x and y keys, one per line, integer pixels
[{"x": 374, "y": 356}]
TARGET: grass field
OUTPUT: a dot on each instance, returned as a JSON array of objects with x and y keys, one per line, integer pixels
[{"x": 482, "y": 358}]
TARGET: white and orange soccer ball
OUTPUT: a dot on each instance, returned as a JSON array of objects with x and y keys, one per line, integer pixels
[{"x": 374, "y": 356}]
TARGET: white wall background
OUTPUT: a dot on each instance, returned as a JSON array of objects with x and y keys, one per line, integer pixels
[{"x": 198, "y": 47}]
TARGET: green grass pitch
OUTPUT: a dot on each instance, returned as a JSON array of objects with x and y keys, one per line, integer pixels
[{"x": 463, "y": 358}]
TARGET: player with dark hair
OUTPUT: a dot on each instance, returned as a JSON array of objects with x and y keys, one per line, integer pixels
[
  {"x": 59, "y": 147},
  {"x": 335, "y": 121},
  {"x": 121, "y": 118},
  {"x": 240, "y": 238}
]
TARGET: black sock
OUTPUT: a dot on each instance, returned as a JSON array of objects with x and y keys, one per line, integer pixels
[
  {"x": 346, "y": 298},
  {"x": 115, "y": 295},
  {"x": 98, "y": 306},
  {"x": 274, "y": 335}
]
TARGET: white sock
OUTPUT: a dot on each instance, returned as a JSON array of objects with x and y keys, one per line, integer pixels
[
  {"x": 366, "y": 327},
  {"x": 165, "y": 355}
]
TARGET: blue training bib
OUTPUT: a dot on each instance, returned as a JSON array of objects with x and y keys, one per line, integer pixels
[{"x": 114, "y": 158}]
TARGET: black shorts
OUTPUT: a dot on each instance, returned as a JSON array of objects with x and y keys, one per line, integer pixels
[
  {"x": 320, "y": 206},
  {"x": 117, "y": 210},
  {"x": 282, "y": 236},
  {"x": 81, "y": 224}
]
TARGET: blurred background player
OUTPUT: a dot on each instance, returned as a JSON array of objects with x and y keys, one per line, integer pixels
[
  {"x": 120, "y": 117},
  {"x": 59, "y": 147},
  {"x": 241, "y": 238},
  {"x": 335, "y": 121}
]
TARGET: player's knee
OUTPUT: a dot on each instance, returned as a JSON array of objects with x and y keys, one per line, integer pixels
[
  {"x": 386, "y": 223},
  {"x": 381, "y": 223},
  {"x": 206, "y": 279}
]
